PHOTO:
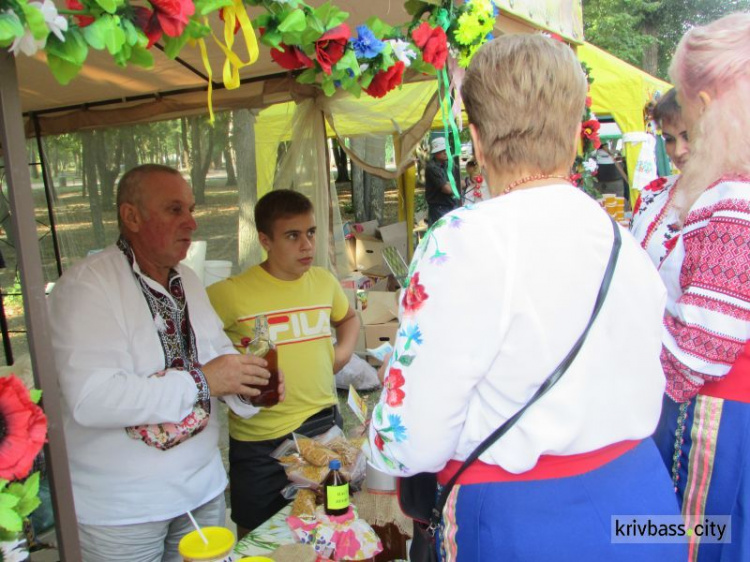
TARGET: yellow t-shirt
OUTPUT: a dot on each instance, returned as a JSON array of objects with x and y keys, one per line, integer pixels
[{"x": 299, "y": 316}]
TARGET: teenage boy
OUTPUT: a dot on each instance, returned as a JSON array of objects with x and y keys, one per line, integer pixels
[{"x": 301, "y": 303}]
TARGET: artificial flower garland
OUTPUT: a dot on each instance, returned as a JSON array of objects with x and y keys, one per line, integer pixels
[
  {"x": 318, "y": 42},
  {"x": 23, "y": 431},
  {"x": 586, "y": 167}
]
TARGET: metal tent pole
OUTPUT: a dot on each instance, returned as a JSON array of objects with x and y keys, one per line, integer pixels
[
  {"x": 32, "y": 281},
  {"x": 47, "y": 178}
]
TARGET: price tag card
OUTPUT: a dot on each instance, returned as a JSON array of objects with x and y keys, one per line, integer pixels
[{"x": 357, "y": 404}]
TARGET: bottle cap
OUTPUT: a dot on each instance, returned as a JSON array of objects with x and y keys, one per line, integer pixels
[{"x": 334, "y": 464}]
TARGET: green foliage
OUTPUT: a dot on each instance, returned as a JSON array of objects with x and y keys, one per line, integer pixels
[
  {"x": 616, "y": 26},
  {"x": 628, "y": 28},
  {"x": 10, "y": 28},
  {"x": 18, "y": 501}
]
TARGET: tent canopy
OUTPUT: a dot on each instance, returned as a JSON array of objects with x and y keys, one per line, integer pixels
[{"x": 104, "y": 94}]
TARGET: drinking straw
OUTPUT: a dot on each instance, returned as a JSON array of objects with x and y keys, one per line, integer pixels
[{"x": 197, "y": 527}]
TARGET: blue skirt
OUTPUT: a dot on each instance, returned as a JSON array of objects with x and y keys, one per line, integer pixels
[
  {"x": 705, "y": 444},
  {"x": 561, "y": 519}
]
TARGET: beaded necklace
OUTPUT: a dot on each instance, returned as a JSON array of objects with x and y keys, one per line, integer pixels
[{"x": 514, "y": 184}]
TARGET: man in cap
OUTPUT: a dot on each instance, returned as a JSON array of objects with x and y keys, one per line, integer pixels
[{"x": 438, "y": 191}]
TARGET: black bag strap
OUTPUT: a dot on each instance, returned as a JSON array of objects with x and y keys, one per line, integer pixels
[{"x": 542, "y": 390}]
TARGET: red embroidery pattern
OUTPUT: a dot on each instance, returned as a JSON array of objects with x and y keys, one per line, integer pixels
[
  {"x": 656, "y": 185},
  {"x": 679, "y": 388},
  {"x": 717, "y": 258},
  {"x": 715, "y": 305},
  {"x": 660, "y": 215},
  {"x": 699, "y": 342},
  {"x": 705, "y": 213}
]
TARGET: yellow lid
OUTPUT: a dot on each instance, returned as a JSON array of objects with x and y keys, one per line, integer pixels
[{"x": 220, "y": 542}]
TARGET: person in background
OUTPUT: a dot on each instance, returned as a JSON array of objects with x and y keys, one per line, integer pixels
[
  {"x": 302, "y": 303},
  {"x": 141, "y": 357},
  {"x": 704, "y": 433},
  {"x": 655, "y": 221},
  {"x": 474, "y": 188},
  {"x": 464, "y": 362},
  {"x": 437, "y": 189}
]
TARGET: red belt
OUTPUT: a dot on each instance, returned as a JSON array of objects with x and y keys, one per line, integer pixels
[
  {"x": 735, "y": 385},
  {"x": 547, "y": 467}
]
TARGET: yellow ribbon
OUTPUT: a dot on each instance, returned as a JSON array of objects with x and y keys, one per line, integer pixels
[
  {"x": 233, "y": 63},
  {"x": 207, "y": 64}
]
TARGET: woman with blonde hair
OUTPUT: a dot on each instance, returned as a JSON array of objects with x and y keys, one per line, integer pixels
[
  {"x": 565, "y": 479},
  {"x": 704, "y": 433}
]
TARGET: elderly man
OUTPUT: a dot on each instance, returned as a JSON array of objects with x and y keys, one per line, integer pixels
[
  {"x": 437, "y": 189},
  {"x": 141, "y": 357}
]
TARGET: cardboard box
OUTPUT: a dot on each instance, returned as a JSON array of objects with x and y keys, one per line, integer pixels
[
  {"x": 370, "y": 245},
  {"x": 382, "y": 307},
  {"x": 378, "y": 334},
  {"x": 368, "y": 228},
  {"x": 351, "y": 253},
  {"x": 395, "y": 235},
  {"x": 369, "y": 252},
  {"x": 360, "y": 348}
]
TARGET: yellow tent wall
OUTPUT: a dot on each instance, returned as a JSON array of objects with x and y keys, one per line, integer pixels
[{"x": 622, "y": 91}]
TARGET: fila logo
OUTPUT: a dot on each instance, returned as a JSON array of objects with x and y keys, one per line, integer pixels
[{"x": 299, "y": 325}]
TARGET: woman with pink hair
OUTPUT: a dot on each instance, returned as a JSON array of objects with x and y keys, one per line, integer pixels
[{"x": 704, "y": 433}]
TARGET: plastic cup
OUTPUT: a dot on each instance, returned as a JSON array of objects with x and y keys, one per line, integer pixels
[{"x": 219, "y": 547}]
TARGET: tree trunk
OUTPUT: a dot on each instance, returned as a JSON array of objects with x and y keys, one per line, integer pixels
[
  {"x": 358, "y": 182},
  {"x": 247, "y": 188},
  {"x": 107, "y": 174},
  {"x": 342, "y": 162},
  {"x": 35, "y": 158},
  {"x": 651, "y": 52},
  {"x": 129, "y": 154},
  {"x": 231, "y": 175},
  {"x": 185, "y": 145},
  {"x": 374, "y": 185},
  {"x": 200, "y": 159},
  {"x": 89, "y": 174},
  {"x": 368, "y": 191}
]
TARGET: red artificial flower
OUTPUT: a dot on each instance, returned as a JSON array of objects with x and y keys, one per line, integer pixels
[
  {"x": 173, "y": 15},
  {"x": 330, "y": 47},
  {"x": 236, "y": 20},
  {"x": 385, "y": 80},
  {"x": 148, "y": 22},
  {"x": 379, "y": 442},
  {"x": 433, "y": 42},
  {"x": 414, "y": 296},
  {"x": 83, "y": 21},
  {"x": 590, "y": 131},
  {"x": 588, "y": 101},
  {"x": 23, "y": 429},
  {"x": 393, "y": 383},
  {"x": 575, "y": 178},
  {"x": 291, "y": 57}
]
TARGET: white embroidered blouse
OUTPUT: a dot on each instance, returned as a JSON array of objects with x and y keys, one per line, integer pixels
[{"x": 497, "y": 295}]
